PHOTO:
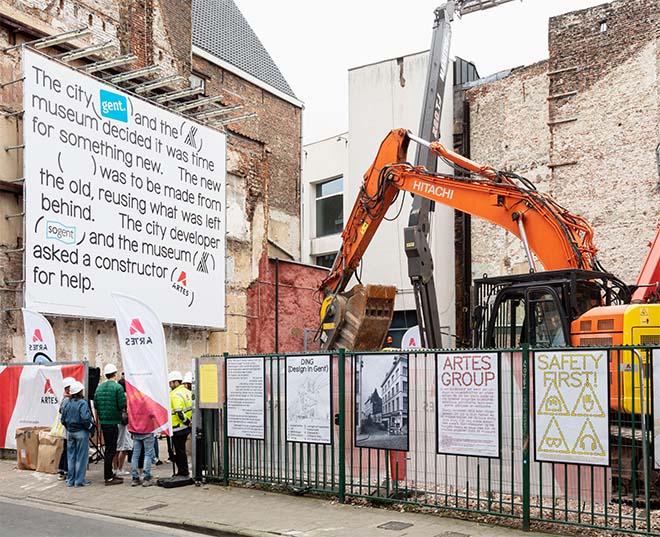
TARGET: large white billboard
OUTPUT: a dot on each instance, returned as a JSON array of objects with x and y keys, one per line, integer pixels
[{"x": 120, "y": 196}]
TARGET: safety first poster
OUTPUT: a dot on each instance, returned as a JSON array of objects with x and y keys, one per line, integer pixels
[
  {"x": 31, "y": 396},
  {"x": 570, "y": 406}
]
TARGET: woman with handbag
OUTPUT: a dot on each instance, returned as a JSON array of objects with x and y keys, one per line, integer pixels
[
  {"x": 59, "y": 430},
  {"x": 77, "y": 418}
]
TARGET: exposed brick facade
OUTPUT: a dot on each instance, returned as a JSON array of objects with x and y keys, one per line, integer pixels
[
  {"x": 263, "y": 165},
  {"x": 583, "y": 126}
]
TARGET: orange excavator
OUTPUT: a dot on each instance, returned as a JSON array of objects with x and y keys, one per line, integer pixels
[
  {"x": 573, "y": 301},
  {"x": 558, "y": 239}
]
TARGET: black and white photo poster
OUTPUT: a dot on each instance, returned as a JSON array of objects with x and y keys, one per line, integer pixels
[{"x": 381, "y": 414}]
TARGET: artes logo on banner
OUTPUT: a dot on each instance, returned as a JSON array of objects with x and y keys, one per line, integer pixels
[
  {"x": 31, "y": 396},
  {"x": 144, "y": 359},
  {"x": 39, "y": 338}
]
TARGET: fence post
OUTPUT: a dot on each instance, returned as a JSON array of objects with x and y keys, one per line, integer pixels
[
  {"x": 342, "y": 426},
  {"x": 525, "y": 438},
  {"x": 225, "y": 433}
]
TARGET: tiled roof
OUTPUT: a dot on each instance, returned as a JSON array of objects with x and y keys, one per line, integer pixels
[{"x": 221, "y": 30}]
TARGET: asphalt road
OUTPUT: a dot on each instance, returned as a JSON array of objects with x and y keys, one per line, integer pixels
[{"x": 21, "y": 519}]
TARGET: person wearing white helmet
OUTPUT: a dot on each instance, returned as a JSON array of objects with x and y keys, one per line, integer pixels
[
  {"x": 110, "y": 404},
  {"x": 79, "y": 423},
  {"x": 181, "y": 406},
  {"x": 188, "y": 380},
  {"x": 62, "y": 466}
]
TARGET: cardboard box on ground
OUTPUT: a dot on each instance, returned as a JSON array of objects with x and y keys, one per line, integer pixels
[
  {"x": 50, "y": 451},
  {"x": 37, "y": 450},
  {"x": 27, "y": 447}
]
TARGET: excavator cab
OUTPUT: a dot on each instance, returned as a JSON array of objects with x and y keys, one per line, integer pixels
[{"x": 538, "y": 308}]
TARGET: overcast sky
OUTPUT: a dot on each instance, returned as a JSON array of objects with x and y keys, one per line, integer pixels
[{"x": 315, "y": 43}]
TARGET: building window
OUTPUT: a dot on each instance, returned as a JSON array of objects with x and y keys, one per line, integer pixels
[
  {"x": 197, "y": 81},
  {"x": 329, "y": 207},
  {"x": 325, "y": 260}
]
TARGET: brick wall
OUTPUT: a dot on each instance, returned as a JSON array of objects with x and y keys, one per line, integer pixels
[
  {"x": 583, "y": 126},
  {"x": 287, "y": 293},
  {"x": 508, "y": 130}
]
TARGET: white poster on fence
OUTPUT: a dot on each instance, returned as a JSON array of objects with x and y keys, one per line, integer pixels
[
  {"x": 122, "y": 196},
  {"x": 468, "y": 404},
  {"x": 571, "y": 398},
  {"x": 144, "y": 360},
  {"x": 246, "y": 404},
  {"x": 656, "y": 408},
  {"x": 308, "y": 399},
  {"x": 39, "y": 338}
]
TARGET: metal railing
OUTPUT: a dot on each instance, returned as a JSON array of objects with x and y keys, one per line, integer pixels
[{"x": 380, "y": 453}]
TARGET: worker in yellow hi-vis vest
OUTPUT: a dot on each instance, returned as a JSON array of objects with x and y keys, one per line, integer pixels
[{"x": 181, "y": 405}]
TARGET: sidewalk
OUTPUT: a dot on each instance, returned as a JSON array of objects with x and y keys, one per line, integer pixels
[{"x": 218, "y": 510}]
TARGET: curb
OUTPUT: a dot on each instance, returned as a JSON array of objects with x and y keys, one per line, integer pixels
[{"x": 202, "y": 527}]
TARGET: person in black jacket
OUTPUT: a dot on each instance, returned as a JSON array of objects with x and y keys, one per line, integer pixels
[{"x": 77, "y": 418}]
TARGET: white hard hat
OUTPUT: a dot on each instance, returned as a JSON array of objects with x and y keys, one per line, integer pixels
[
  {"x": 109, "y": 369},
  {"x": 175, "y": 375},
  {"x": 67, "y": 382},
  {"x": 76, "y": 387},
  {"x": 188, "y": 378}
]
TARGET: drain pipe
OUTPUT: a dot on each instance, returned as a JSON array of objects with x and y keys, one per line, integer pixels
[{"x": 277, "y": 305}]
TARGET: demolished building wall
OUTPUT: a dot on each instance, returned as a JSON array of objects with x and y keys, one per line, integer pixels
[{"x": 584, "y": 127}]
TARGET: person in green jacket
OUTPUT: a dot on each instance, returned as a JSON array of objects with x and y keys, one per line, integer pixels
[{"x": 110, "y": 402}]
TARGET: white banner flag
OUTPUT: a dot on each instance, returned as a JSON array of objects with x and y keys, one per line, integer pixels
[
  {"x": 39, "y": 338},
  {"x": 144, "y": 358}
]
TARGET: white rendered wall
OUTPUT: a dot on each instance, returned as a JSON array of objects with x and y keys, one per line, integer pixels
[{"x": 382, "y": 97}]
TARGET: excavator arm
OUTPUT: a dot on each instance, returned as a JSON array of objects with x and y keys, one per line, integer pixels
[{"x": 558, "y": 238}]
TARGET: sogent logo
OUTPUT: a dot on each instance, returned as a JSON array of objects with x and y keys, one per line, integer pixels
[
  {"x": 133, "y": 339},
  {"x": 114, "y": 106},
  {"x": 60, "y": 232},
  {"x": 48, "y": 398}
]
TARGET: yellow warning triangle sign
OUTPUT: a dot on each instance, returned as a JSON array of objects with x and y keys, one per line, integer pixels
[
  {"x": 587, "y": 403},
  {"x": 553, "y": 440},
  {"x": 587, "y": 442},
  {"x": 553, "y": 403}
]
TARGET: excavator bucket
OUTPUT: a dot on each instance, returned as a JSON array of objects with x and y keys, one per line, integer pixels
[{"x": 360, "y": 318}]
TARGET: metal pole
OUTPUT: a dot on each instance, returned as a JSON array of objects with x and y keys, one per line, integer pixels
[
  {"x": 342, "y": 426},
  {"x": 225, "y": 430},
  {"x": 195, "y": 420},
  {"x": 645, "y": 455},
  {"x": 525, "y": 439}
]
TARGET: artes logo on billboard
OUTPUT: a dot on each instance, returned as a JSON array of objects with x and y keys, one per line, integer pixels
[
  {"x": 181, "y": 284},
  {"x": 137, "y": 334}
]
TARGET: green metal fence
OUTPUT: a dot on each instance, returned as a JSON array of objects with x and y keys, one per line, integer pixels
[{"x": 516, "y": 485}]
